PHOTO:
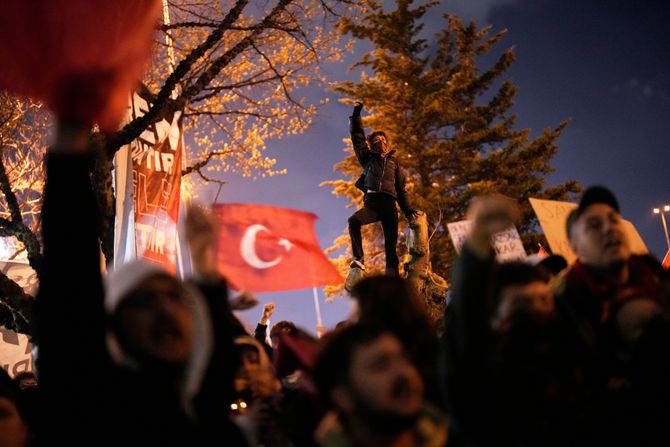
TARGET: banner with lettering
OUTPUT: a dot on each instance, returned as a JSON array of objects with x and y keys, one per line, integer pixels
[
  {"x": 15, "y": 352},
  {"x": 15, "y": 349},
  {"x": 156, "y": 181},
  {"x": 507, "y": 244}
]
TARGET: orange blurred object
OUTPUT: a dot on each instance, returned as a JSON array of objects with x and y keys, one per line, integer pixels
[{"x": 80, "y": 57}]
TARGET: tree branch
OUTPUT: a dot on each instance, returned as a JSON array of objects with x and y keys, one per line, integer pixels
[
  {"x": 202, "y": 163},
  {"x": 163, "y": 105},
  {"x": 24, "y": 234},
  {"x": 216, "y": 25},
  {"x": 19, "y": 303},
  {"x": 281, "y": 76},
  {"x": 209, "y": 179}
]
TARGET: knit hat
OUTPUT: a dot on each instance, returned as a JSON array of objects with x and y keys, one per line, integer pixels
[
  {"x": 597, "y": 194},
  {"x": 120, "y": 282},
  {"x": 592, "y": 195},
  {"x": 126, "y": 278}
]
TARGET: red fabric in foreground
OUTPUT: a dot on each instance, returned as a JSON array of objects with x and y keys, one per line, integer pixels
[{"x": 52, "y": 49}]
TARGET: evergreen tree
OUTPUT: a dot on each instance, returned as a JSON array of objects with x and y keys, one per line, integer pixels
[{"x": 450, "y": 121}]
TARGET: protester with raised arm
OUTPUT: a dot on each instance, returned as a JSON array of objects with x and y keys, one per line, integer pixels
[{"x": 383, "y": 184}]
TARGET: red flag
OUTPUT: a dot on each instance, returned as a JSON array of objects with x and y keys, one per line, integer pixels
[
  {"x": 80, "y": 57},
  {"x": 666, "y": 261},
  {"x": 265, "y": 249}
]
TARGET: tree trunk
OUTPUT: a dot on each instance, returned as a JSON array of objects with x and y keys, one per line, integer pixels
[
  {"x": 101, "y": 177},
  {"x": 431, "y": 286}
]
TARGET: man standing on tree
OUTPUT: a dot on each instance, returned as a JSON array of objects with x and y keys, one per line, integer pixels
[{"x": 383, "y": 183}]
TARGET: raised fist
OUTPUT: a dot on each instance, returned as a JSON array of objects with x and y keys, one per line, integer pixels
[
  {"x": 489, "y": 215},
  {"x": 268, "y": 310},
  {"x": 358, "y": 106}
]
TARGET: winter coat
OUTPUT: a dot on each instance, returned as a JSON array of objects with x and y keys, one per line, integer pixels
[
  {"x": 628, "y": 379},
  {"x": 512, "y": 388},
  {"x": 591, "y": 299},
  {"x": 429, "y": 430},
  {"x": 380, "y": 174}
]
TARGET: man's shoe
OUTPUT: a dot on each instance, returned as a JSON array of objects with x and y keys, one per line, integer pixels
[{"x": 356, "y": 264}]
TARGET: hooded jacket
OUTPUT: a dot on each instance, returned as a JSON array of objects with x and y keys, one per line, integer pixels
[{"x": 380, "y": 174}]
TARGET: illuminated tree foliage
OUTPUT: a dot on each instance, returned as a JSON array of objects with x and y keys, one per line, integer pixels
[
  {"x": 450, "y": 120},
  {"x": 239, "y": 67},
  {"x": 23, "y": 133}
]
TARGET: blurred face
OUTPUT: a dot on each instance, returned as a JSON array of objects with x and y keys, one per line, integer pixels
[
  {"x": 156, "y": 321},
  {"x": 384, "y": 386},
  {"x": 379, "y": 145},
  {"x": 13, "y": 431},
  {"x": 598, "y": 237},
  {"x": 249, "y": 369},
  {"x": 534, "y": 298}
]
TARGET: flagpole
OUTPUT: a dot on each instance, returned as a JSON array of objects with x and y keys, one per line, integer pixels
[
  {"x": 317, "y": 307},
  {"x": 168, "y": 41}
]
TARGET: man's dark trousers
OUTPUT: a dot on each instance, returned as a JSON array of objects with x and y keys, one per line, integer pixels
[{"x": 378, "y": 206}]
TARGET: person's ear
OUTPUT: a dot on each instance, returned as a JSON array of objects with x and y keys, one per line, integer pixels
[{"x": 571, "y": 239}]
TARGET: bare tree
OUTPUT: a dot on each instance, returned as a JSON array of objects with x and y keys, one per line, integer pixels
[
  {"x": 239, "y": 67},
  {"x": 23, "y": 133}
]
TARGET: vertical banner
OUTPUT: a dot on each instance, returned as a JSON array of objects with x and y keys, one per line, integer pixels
[{"x": 156, "y": 182}]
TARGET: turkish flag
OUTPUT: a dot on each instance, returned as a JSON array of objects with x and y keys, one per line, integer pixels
[
  {"x": 266, "y": 249},
  {"x": 81, "y": 57},
  {"x": 666, "y": 261}
]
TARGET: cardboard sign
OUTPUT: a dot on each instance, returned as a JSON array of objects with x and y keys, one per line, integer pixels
[
  {"x": 15, "y": 352},
  {"x": 507, "y": 244},
  {"x": 552, "y": 216}
]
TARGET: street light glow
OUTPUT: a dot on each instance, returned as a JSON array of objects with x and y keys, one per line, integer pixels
[{"x": 666, "y": 208}]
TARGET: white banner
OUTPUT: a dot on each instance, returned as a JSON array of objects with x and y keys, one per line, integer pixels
[{"x": 507, "y": 244}]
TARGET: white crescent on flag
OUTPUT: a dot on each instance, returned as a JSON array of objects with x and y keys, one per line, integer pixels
[{"x": 248, "y": 248}]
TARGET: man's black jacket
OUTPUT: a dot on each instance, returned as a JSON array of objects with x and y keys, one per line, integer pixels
[{"x": 380, "y": 174}]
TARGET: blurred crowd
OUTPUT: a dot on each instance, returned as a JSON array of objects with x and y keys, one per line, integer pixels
[{"x": 533, "y": 353}]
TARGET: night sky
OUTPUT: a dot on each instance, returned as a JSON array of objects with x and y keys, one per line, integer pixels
[{"x": 604, "y": 64}]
